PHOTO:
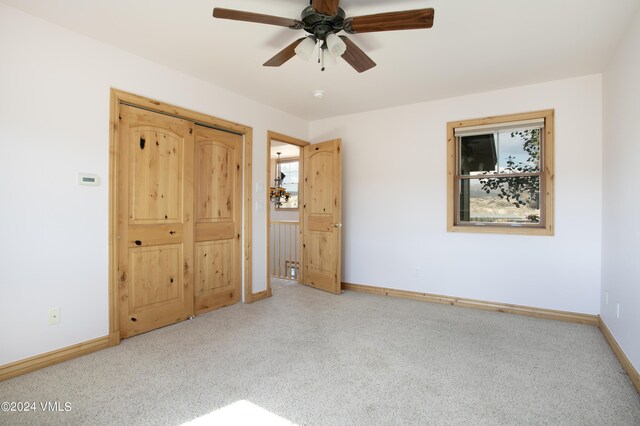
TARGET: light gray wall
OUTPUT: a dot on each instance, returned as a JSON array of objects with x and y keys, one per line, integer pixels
[
  {"x": 395, "y": 180},
  {"x": 621, "y": 204}
]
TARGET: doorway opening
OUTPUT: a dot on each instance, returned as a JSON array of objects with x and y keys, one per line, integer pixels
[{"x": 284, "y": 238}]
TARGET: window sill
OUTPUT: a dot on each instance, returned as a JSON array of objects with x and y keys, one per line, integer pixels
[{"x": 493, "y": 229}]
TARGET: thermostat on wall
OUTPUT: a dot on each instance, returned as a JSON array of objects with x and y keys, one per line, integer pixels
[{"x": 88, "y": 179}]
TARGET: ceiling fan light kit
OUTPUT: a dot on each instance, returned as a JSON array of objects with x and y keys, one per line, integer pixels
[{"x": 323, "y": 20}]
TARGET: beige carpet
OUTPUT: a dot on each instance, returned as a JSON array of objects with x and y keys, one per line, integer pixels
[{"x": 308, "y": 357}]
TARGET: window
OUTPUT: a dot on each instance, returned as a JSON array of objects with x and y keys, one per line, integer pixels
[
  {"x": 500, "y": 174},
  {"x": 290, "y": 168}
]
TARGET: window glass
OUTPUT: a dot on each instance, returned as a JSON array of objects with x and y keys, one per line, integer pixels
[
  {"x": 290, "y": 169},
  {"x": 500, "y": 152},
  {"x": 500, "y": 200}
]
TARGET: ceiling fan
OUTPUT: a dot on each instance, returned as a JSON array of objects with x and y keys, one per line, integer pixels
[{"x": 322, "y": 20}]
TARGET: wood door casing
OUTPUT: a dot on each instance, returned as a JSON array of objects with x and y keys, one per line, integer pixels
[
  {"x": 155, "y": 220},
  {"x": 218, "y": 219},
  {"x": 322, "y": 216}
]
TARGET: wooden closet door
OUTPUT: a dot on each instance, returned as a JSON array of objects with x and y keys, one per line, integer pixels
[
  {"x": 218, "y": 219},
  {"x": 155, "y": 220},
  {"x": 322, "y": 216}
]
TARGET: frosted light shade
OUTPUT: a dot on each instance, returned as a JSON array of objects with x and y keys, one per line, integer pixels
[
  {"x": 330, "y": 59},
  {"x": 336, "y": 46},
  {"x": 305, "y": 48}
]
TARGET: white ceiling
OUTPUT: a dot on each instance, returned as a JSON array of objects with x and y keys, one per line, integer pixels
[
  {"x": 474, "y": 46},
  {"x": 286, "y": 150}
]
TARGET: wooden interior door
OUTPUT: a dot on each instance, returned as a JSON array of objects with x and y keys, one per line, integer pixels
[
  {"x": 322, "y": 216},
  {"x": 155, "y": 220},
  {"x": 218, "y": 219}
]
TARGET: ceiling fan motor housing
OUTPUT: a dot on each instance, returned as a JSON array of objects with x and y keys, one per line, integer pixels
[{"x": 321, "y": 25}]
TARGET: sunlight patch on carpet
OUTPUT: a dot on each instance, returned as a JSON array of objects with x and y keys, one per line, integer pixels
[{"x": 240, "y": 413}]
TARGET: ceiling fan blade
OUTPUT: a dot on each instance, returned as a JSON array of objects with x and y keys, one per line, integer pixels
[
  {"x": 239, "y": 15},
  {"x": 356, "y": 57},
  {"x": 284, "y": 55},
  {"x": 326, "y": 7},
  {"x": 391, "y": 21}
]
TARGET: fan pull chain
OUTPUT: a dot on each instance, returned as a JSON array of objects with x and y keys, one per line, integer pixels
[{"x": 322, "y": 56}]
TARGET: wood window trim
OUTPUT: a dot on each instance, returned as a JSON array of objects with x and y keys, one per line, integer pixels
[{"x": 547, "y": 186}]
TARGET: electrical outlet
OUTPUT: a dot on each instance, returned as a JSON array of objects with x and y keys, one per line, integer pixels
[
  {"x": 54, "y": 316},
  {"x": 618, "y": 310},
  {"x": 606, "y": 297}
]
